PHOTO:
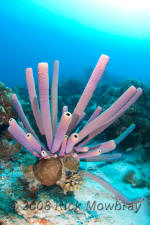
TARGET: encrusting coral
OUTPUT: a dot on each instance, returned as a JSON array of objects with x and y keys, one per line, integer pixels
[
  {"x": 8, "y": 147},
  {"x": 6, "y": 109},
  {"x": 60, "y": 148}
]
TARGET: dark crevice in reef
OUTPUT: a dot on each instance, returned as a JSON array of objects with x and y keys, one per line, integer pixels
[{"x": 3, "y": 128}]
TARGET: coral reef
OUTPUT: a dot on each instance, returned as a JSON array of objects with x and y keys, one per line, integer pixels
[
  {"x": 137, "y": 113},
  {"x": 8, "y": 147},
  {"x": 6, "y": 107},
  {"x": 56, "y": 143}
]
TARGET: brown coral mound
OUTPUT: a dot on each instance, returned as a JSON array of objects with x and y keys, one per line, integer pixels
[
  {"x": 48, "y": 171},
  {"x": 70, "y": 162}
]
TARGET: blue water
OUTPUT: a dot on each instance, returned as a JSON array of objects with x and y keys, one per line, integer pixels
[{"x": 31, "y": 33}]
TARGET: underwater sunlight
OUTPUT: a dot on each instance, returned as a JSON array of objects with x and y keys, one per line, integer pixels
[{"x": 129, "y": 18}]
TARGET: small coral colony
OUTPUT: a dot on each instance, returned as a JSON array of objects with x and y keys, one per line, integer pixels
[{"x": 59, "y": 147}]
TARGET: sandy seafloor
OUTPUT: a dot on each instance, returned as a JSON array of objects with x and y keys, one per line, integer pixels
[{"x": 90, "y": 192}]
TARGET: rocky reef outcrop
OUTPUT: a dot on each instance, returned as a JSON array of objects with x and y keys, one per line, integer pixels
[
  {"x": 6, "y": 109},
  {"x": 137, "y": 113},
  {"x": 8, "y": 147}
]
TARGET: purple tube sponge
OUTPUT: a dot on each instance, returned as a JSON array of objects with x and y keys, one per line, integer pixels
[
  {"x": 54, "y": 96},
  {"x": 22, "y": 115},
  {"x": 33, "y": 99},
  {"x": 61, "y": 141},
  {"x": 73, "y": 139},
  {"x": 110, "y": 188},
  {"x": 89, "y": 90},
  {"x": 61, "y": 131},
  {"x": 43, "y": 81},
  {"x": 19, "y": 134}
]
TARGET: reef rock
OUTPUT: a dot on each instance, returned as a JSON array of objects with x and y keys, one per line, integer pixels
[
  {"x": 137, "y": 113},
  {"x": 136, "y": 180},
  {"x": 8, "y": 146},
  {"x": 6, "y": 108}
]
